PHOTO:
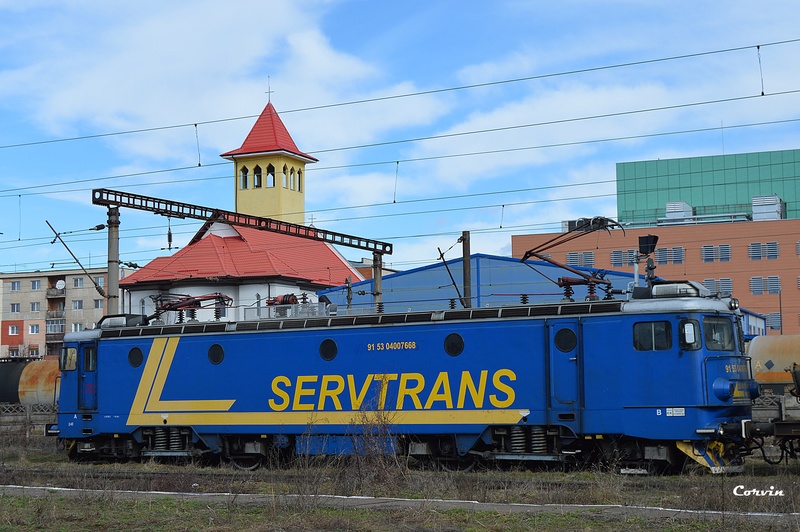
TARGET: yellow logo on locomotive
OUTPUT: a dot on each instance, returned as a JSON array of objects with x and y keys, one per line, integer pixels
[{"x": 474, "y": 397}]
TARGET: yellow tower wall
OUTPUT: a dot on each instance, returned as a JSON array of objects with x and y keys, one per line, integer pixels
[{"x": 283, "y": 201}]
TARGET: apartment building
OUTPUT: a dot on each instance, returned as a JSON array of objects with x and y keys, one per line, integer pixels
[{"x": 38, "y": 307}]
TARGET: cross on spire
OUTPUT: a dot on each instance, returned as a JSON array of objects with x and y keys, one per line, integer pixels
[{"x": 269, "y": 91}]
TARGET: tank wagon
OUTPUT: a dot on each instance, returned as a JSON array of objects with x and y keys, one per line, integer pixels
[{"x": 648, "y": 381}]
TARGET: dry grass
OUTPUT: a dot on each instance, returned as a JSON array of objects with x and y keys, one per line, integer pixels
[{"x": 36, "y": 462}]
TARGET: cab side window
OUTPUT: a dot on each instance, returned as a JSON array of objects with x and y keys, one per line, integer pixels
[
  {"x": 652, "y": 336},
  {"x": 69, "y": 359},
  {"x": 89, "y": 359}
]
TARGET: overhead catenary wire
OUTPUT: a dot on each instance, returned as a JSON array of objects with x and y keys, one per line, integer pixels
[
  {"x": 396, "y": 162},
  {"x": 13, "y": 191},
  {"x": 413, "y": 94}
]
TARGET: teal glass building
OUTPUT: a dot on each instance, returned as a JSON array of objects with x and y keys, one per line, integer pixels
[{"x": 711, "y": 186}]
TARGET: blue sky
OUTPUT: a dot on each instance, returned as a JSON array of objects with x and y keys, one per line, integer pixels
[{"x": 128, "y": 80}]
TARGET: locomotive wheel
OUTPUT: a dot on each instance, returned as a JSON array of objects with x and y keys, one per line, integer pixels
[
  {"x": 463, "y": 464},
  {"x": 246, "y": 462}
]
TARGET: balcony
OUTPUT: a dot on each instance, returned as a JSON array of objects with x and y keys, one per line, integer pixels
[
  {"x": 56, "y": 292},
  {"x": 54, "y": 338},
  {"x": 55, "y": 314}
]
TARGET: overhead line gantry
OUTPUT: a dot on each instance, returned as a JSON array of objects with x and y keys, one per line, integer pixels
[{"x": 114, "y": 199}]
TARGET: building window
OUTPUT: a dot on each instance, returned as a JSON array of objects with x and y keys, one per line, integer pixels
[
  {"x": 580, "y": 258},
  {"x": 243, "y": 178},
  {"x": 770, "y": 285},
  {"x": 725, "y": 286},
  {"x": 758, "y": 250},
  {"x": 616, "y": 258},
  {"x": 36, "y": 306},
  {"x": 33, "y": 328},
  {"x": 774, "y": 284},
  {"x": 13, "y": 351},
  {"x": 13, "y": 330},
  {"x": 774, "y": 321},
  {"x": 270, "y": 176},
  {"x": 99, "y": 281},
  {"x": 15, "y": 286},
  {"x": 285, "y": 175},
  {"x": 756, "y": 286},
  {"x": 54, "y": 326},
  {"x": 711, "y": 253},
  {"x": 15, "y": 308},
  {"x": 291, "y": 179},
  {"x": 77, "y": 327},
  {"x": 772, "y": 250},
  {"x": 257, "y": 177},
  {"x": 98, "y": 303},
  {"x": 33, "y": 351},
  {"x": 299, "y": 180},
  {"x": 77, "y": 282},
  {"x": 77, "y": 304},
  {"x": 36, "y": 285}
]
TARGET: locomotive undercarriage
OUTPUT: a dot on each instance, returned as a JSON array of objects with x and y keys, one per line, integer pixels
[{"x": 543, "y": 445}]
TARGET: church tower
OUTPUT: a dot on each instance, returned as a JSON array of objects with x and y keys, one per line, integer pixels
[{"x": 270, "y": 171}]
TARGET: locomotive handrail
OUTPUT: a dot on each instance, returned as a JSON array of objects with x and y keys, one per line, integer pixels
[{"x": 537, "y": 311}]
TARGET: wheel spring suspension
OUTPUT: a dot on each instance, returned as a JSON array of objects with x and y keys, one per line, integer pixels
[
  {"x": 169, "y": 439},
  {"x": 538, "y": 440},
  {"x": 162, "y": 439},
  {"x": 175, "y": 439},
  {"x": 518, "y": 440}
]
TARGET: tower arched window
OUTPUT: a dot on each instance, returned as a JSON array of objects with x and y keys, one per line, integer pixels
[
  {"x": 291, "y": 179},
  {"x": 270, "y": 176},
  {"x": 285, "y": 175},
  {"x": 299, "y": 180},
  {"x": 243, "y": 178},
  {"x": 257, "y": 177}
]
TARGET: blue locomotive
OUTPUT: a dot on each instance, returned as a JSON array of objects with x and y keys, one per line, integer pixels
[{"x": 652, "y": 380}]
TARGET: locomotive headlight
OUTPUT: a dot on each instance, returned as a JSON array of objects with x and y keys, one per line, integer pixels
[
  {"x": 723, "y": 388},
  {"x": 733, "y": 304}
]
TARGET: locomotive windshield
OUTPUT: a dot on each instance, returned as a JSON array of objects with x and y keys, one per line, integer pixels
[{"x": 718, "y": 333}]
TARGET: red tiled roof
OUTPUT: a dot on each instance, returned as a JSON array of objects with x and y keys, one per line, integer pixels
[
  {"x": 268, "y": 135},
  {"x": 252, "y": 254}
]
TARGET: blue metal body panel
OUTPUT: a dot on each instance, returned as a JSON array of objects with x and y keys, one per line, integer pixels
[{"x": 566, "y": 368}]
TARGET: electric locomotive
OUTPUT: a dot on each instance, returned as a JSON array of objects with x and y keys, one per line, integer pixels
[{"x": 652, "y": 380}]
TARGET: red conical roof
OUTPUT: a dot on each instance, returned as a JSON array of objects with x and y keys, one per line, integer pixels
[{"x": 268, "y": 135}]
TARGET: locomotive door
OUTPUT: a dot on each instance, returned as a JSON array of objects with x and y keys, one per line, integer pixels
[
  {"x": 87, "y": 378},
  {"x": 564, "y": 353}
]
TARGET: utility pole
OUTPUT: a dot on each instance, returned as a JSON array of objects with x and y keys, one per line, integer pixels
[
  {"x": 113, "y": 261},
  {"x": 465, "y": 252}
]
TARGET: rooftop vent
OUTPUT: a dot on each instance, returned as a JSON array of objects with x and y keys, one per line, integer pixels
[
  {"x": 768, "y": 208},
  {"x": 679, "y": 209}
]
